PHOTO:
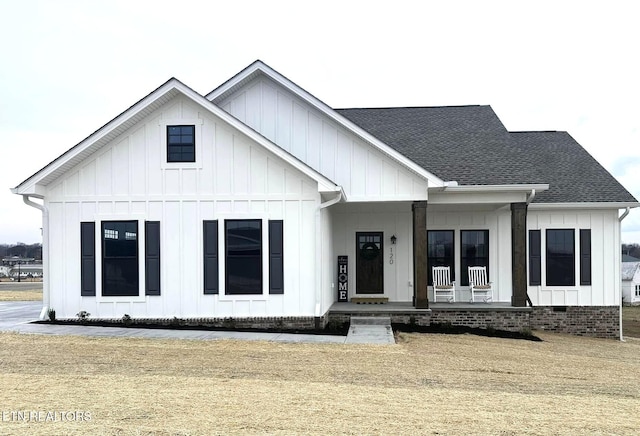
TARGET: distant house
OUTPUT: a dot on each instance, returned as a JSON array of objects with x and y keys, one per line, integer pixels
[
  {"x": 631, "y": 282},
  {"x": 5, "y": 270},
  {"x": 292, "y": 206}
]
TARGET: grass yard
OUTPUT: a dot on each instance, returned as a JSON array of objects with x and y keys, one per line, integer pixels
[
  {"x": 631, "y": 321},
  {"x": 427, "y": 384},
  {"x": 28, "y": 295}
]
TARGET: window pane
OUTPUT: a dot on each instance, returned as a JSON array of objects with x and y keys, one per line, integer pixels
[
  {"x": 120, "y": 277},
  {"x": 440, "y": 251},
  {"x": 560, "y": 257},
  {"x": 120, "y": 258},
  {"x": 181, "y": 144},
  {"x": 244, "y": 256},
  {"x": 474, "y": 246}
]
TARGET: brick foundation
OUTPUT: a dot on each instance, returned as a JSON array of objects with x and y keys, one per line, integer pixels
[
  {"x": 505, "y": 318},
  {"x": 511, "y": 320},
  {"x": 597, "y": 321}
]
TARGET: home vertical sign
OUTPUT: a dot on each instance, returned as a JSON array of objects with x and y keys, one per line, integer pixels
[{"x": 343, "y": 279}]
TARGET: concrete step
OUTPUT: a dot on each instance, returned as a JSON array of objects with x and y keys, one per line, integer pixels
[
  {"x": 370, "y": 320},
  {"x": 370, "y": 330}
]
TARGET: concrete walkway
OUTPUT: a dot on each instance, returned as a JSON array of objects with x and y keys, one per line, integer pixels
[{"x": 17, "y": 317}]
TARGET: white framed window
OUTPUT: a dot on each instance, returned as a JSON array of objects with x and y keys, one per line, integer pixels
[{"x": 181, "y": 143}]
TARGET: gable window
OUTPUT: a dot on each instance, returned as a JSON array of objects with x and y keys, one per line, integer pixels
[
  {"x": 440, "y": 251},
  {"x": 181, "y": 144},
  {"x": 243, "y": 242},
  {"x": 561, "y": 264},
  {"x": 637, "y": 290},
  {"x": 474, "y": 251},
  {"x": 120, "y": 276}
]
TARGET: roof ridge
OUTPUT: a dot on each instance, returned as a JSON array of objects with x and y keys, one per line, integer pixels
[
  {"x": 411, "y": 107},
  {"x": 538, "y": 131}
]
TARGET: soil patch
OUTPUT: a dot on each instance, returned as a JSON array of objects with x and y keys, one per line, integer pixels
[
  {"x": 449, "y": 329},
  {"x": 179, "y": 324}
]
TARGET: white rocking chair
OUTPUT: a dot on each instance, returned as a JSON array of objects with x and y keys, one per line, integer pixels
[
  {"x": 479, "y": 285},
  {"x": 442, "y": 285}
]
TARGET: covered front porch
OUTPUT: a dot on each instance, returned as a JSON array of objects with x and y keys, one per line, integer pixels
[{"x": 389, "y": 246}]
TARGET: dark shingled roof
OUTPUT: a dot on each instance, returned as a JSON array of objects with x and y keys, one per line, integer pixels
[{"x": 469, "y": 144}]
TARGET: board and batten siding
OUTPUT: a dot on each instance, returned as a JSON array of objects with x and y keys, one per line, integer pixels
[
  {"x": 498, "y": 223},
  {"x": 605, "y": 288},
  {"x": 365, "y": 173},
  {"x": 389, "y": 218},
  {"x": 233, "y": 178}
]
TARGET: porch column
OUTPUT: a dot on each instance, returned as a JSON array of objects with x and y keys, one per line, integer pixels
[
  {"x": 419, "y": 209},
  {"x": 519, "y": 254}
]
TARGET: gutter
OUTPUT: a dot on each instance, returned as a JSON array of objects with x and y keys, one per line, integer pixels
[
  {"x": 623, "y": 216},
  {"x": 46, "y": 300},
  {"x": 531, "y": 196},
  {"x": 333, "y": 201}
]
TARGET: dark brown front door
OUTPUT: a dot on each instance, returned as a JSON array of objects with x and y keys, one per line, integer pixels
[{"x": 369, "y": 251}]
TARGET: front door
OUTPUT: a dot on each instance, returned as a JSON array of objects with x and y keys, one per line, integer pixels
[{"x": 369, "y": 251}]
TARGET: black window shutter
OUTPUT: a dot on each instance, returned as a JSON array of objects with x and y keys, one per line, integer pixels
[
  {"x": 210, "y": 249},
  {"x": 152, "y": 257},
  {"x": 535, "y": 258},
  {"x": 88, "y": 259},
  {"x": 276, "y": 265},
  {"x": 585, "y": 257}
]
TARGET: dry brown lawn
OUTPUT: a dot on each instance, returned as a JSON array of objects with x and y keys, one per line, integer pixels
[
  {"x": 29, "y": 295},
  {"x": 427, "y": 384},
  {"x": 631, "y": 321}
]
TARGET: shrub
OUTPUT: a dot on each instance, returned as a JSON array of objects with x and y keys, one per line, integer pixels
[
  {"x": 52, "y": 314},
  {"x": 83, "y": 315}
]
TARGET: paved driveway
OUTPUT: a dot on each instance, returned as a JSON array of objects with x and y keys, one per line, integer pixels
[{"x": 15, "y": 313}]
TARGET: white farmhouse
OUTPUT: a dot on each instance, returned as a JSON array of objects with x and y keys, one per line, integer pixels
[
  {"x": 631, "y": 283},
  {"x": 269, "y": 188}
]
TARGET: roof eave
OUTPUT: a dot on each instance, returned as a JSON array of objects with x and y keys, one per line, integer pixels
[
  {"x": 524, "y": 187},
  {"x": 585, "y": 205}
]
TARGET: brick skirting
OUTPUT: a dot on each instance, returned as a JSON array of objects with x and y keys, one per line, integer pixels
[
  {"x": 504, "y": 318},
  {"x": 597, "y": 321}
]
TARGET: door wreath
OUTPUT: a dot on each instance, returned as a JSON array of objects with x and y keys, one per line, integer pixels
[{"x": 369, "y": 251}]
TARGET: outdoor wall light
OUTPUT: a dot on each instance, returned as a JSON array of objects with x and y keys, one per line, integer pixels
[{"x": 393, "y": 240}]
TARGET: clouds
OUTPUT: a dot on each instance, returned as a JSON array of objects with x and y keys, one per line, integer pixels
[{"x": 71, "y": 66}]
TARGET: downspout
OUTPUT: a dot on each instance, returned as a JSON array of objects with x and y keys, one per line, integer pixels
[
  {"x": 623, "y": 216},
  {"x": 46, "y": 301},
  {"x": 531, "y": 196},
  {"x": 319, "y": 242}
]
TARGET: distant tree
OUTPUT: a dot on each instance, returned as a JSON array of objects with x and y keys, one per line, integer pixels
[
  {"x": 18, "y": 250},
  {"x": 631, "y": 250},
  {"x": 34, "y": 251}
]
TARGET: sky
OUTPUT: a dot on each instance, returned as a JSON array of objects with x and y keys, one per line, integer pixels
[{"x": 69, "y": 67}]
